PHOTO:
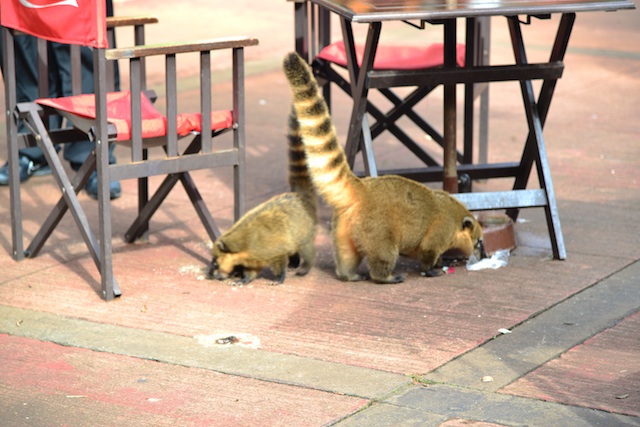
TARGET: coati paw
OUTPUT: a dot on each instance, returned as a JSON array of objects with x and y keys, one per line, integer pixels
[
  {"x": 391, "y": 280},
  {"x": 236, "y": 282},
  {"x": 279, "y": 280},
  {"x": 351, "y": 278},
  {"x": 303, "y": 269},
  {"x": 276, "y": 282},
  {"x": 240, "y": 281},
  {"x": 431, "y": 273}
]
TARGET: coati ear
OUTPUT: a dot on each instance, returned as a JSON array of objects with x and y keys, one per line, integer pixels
[
  {"x": 468, "y": 222},
  {"x": 222, "y": 247}
]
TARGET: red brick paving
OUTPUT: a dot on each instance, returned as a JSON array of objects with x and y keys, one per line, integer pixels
[
  {"x": 71, "y": 383},
  {"x": 602, "y": 373},
  {"x": 409, "y": 328}
]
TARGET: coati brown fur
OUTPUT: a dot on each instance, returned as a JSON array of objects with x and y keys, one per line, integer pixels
[
  {"x": 273, "y": 233},
  {"x": 378, "y": 218}
]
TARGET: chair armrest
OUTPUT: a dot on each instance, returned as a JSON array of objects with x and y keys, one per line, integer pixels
[
  {"x": 125, "y": 21},
  {"x": 180, "y": 47},
  {"x": 117, "y": 21}
]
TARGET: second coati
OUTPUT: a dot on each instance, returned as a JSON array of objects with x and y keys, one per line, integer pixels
[
  {"x": 278, "y": 231},
  {"x": 378, "y": 218}
]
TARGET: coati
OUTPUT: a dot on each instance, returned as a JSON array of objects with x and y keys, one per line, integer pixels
[
  {"x": 378, "y": 218},
  {"x": 278, "y": 231}
]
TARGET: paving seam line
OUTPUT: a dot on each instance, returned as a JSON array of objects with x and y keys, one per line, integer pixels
[
  {"x": 545, "y": 336},
  {"x": 532, "y": 343},
  {"x": 181, "y": 350},
  {"x": 433, "y": 405}
]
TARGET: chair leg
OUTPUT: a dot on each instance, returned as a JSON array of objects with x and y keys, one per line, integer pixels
[
  {"x": 137, "y": 228},
  {"x": 239, "y": 138},
  {"x": 140, "y": 224},
  {"x": 143, "y": 199},
  {"x": 51, "y": 222},
  {"x": 69, "y": 201},
  {"x": 366, "y": 146},
  {"x": 402, "y": 108},
  {"x": 14, "y": 191},
  {"x": 109, "y": 286},
  {"x": 536, "y": 116},
  {"x": 201, "y": 208},
  {"x": 239, "y": 189}
]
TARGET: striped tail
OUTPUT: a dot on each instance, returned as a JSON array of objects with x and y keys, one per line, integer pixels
[
  {"x": 329, "y": 170},
  {"x": 299, "y": 179}
]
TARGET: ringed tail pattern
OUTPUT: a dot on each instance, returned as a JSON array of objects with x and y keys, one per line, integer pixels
[
  {"x": 299, "y": 179},
  {"x": 326, "y": 160}
]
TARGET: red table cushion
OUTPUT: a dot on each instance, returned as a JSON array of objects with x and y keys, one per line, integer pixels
[{"x": 389, "y": 57}]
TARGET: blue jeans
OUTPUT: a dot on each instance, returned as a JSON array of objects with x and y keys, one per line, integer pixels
[{"x": 59, "y": 61}]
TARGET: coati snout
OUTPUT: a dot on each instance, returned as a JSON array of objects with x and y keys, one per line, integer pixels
[
  {"x": 226, "y": 264},
  {"x": 471, "y": 242},
  {"x": 471, "y": 245},
  {"x": 212, "y": 272},
  {"x": 218, "y": 273}
]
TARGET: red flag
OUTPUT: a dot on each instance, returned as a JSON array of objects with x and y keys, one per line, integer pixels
[{"x": 80, "y": 22}]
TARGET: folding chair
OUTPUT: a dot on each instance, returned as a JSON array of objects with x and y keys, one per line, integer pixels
[
  {"x": 127, "y": 117},
  {"x": 330, "y": 59},
  {"x": 388, "y": 57}
]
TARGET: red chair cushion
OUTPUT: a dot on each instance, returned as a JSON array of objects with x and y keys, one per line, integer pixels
[
  {"x": 154, "y": 124},
  {"x": 390, "y": 57}
]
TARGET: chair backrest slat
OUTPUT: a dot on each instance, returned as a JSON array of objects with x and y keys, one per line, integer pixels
[
  {"x": 136, "y": 111},
  {"x": 205, "y": 99},
  {"x": 111, "y": 35},
  {"x": 172, "y": 104},
  {"x": 138, "y": 40},
  {"x": 43, "y": 75},
  {"x": 76, "y": 70}
]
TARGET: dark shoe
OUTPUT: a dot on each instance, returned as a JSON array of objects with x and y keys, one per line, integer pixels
[
  {"x": 91, "y": 187},
  {"x": 27, "y": 169},
  {"x": 40, "y": 169}
]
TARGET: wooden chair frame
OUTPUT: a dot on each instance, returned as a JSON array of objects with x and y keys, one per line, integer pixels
[{"x": 200, "y": 153}]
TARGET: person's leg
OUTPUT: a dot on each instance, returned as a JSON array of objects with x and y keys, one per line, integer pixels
[
  {"x": 78, "y": 152},
  {"x": 32, "y": 160}
]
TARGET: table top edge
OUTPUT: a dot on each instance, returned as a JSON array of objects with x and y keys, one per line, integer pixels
[{"x": 506, "y": 10}]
